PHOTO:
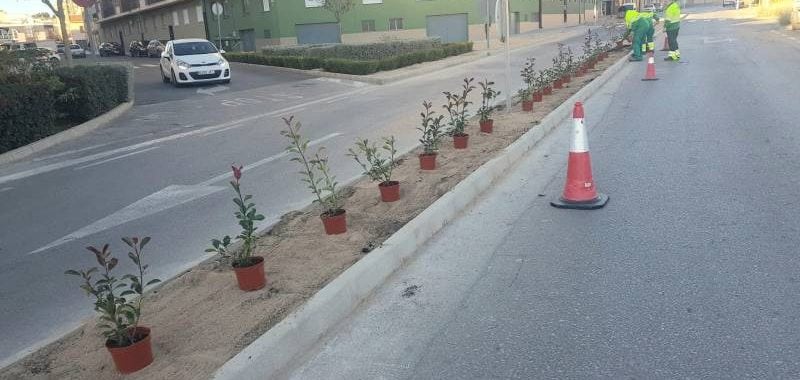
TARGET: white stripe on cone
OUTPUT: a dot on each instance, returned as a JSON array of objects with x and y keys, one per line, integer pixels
[{"x": 580, "y": 141}]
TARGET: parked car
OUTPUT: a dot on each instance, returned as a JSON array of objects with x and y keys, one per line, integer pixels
[
  {"x": 155, "y": 48},
  {"x": 193, "y": 60},
  {"x": 60, "y": 48},
  {"x": 137, "y": 49},
  {"x": 77, "y": 51},
  {"x": 111, "y": 48},
  {"x": 47, "y": 55}
]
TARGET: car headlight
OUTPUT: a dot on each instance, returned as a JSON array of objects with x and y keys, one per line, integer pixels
[
  {"x": 182, "y": 65},
  {"x": 222, "y": 62}
]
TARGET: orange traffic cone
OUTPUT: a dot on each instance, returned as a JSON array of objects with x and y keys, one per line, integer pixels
[
  {"x": 666, "y": 44},
  {"x": 650, "y": 74},
  {"x": 579, "y": 191}
]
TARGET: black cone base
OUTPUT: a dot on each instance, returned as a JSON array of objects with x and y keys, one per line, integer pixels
[{"x": 595, "y": 204}]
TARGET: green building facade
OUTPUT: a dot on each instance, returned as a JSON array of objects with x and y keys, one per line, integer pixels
[{"x": 249, "y": 25}]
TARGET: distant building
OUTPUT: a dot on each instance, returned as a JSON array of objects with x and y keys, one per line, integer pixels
[
  {"x": 249, "y": 25},
  {"x": 126, "y": 20},
  {"x": 25, "y": 28}
]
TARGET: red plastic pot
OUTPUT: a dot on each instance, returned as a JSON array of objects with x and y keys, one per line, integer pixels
[
  {"x": 460, "y": 141},
  {"x": 537, "y": 96},
  {"x": 132, "y": 358},
  {"x": 335, "y": 224},
  {"x": 581, "y": 71},
  {"x": 251, "y": 277},
  {"x": 547, "y": 90},
  {"x": 566, "y": 78},
  {"x": 390, "y": 191},
  {"x": 427, "y": 161},
  {"x": 487, "y": 126},
  {"x": 590, "y": 64},
  {"x": 558, "y": 84},
  {"x": 527, "y": 105}
]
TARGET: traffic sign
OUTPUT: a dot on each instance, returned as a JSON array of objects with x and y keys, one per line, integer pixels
[{"x": 216, "y": 9}]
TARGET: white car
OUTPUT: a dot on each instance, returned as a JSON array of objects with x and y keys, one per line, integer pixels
[
  {"x": 193, "y": 60},
  {"x": 77, "y": 51}
]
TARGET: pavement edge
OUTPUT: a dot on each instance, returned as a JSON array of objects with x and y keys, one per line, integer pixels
[
  {"x": 274, "y": 353},
  {"x": 63, "y": 136}
]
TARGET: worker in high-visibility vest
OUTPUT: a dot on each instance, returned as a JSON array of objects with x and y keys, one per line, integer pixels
[
  {"x": 672, "y": 24},
  {"x": 652, "y": 20},
  {"x": 638, "y": 26}
]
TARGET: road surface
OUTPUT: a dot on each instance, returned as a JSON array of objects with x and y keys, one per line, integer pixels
[{"x": 689, "y": 272}]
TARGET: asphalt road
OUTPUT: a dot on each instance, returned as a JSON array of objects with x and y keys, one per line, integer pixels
[
  {"x": 689, "y": 272},
  {"x": 150, "y": 89},
  {"x": 162, "y": 170}
]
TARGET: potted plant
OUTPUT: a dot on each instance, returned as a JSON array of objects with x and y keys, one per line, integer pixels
[
  {"x": 316, "y": 173},
  {"x": 249, "y": 269},
  {"x": 377, "y": 166},
  {"x": 558, "y": 71},
  {"x": 431, "y": 137},
  {"x": 529, "y": 78},
  {"x": 457, "y": 109},
  {"x": 487, "y": 95},
  {"x": 119, "y": 302},
  {"x": 569, "y": 63},
  {"x": 546, "y": 80}
]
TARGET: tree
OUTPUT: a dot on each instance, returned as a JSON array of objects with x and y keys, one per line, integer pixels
[
  {"x": 338, "y": 8},
  {"x": 61, "y": 13}
]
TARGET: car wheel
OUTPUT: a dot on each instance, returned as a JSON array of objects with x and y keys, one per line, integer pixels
[
  {"x": 174, "y": 80},
  {"x": 226, "y": 81},
  {"x": 163, "y": 77},
  {"x": 54, "y": 60}
]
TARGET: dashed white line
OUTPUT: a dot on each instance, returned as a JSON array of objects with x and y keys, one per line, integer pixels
[
  {"x": 6, "y": 189},
  {"x": 222, "y": 130},
  {"x": 116, "y": 158}
]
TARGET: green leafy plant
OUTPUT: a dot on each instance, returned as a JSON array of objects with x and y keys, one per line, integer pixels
[
  {"x": 376, "y": 166},
  {"x": 316, "y": 172},
  {"x": 247, "y": 215},
  {"x": 487, "y": 95},
  {"x": 431, "y": 129},
  {"x": 457, "y": 107},
  {"x": 119, "y": 301},
  {"x": 528, "y": 74}
]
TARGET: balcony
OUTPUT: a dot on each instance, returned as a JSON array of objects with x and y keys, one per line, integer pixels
[
  {"x": 107, "y": 8},
  {"x": 129, "y": 5}
]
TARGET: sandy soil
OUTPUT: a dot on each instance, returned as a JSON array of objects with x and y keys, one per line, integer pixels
[{"x": 201, "y": 319}]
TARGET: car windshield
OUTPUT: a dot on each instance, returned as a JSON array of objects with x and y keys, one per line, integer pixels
[
  {"x": 74, "y": 47},
  {"x": 193, "y": 48}
]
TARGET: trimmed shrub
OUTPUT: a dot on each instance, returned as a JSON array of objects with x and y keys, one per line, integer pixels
[
  {"x": 358, "y": 52},
  {"x": 91, "y": 90},
  {"x": 347, "y": 66},
  {"x": 27, "y": 113}
]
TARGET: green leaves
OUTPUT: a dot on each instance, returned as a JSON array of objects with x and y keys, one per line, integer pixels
[
  {"x": 431, "y": 129},
  {"x": 377, "y": 167}
]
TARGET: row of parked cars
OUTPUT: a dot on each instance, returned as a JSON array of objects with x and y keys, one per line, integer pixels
[{"x": 153, "y": 48}]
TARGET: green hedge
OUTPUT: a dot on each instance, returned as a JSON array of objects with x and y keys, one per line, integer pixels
[
  {"x": 36, "y": 104},
  {"x": 91, "y": 90},
  {"x": 359, "y": 52},
  {"x": 354, "y": 66}
]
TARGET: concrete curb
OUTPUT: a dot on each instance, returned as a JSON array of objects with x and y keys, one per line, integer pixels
[
  {"x": 63, "y": 136},
  {"x": 273, "y": 354}
]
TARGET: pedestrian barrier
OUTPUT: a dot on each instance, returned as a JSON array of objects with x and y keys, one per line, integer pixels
[
  {"x": 650, "y": 74},
  {"x": 579, "y": 190}
]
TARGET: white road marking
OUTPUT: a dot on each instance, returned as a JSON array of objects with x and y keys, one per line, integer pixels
[
  {"x": 149, "y": 65},
  {"x": 227, "y": 175},
  {"x": 116, "y": 158},
  {"x": 6, "y": 189},
  {"x": 164, "y": 199},
  {"x": 708, "y": 40},
  {"x": 66, "y": 153},
  {"x": 212, "y": 90},
  {"x": 222, "y": 130},
  {"x": 130, "y": 148}
]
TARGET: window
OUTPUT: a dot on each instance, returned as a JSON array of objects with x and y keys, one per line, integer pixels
[
  {"x": 395, "y": 24},
  {"x": 267, "y": 33},
  {"x": 372, "y": 2},
  {"x": 185, "y": 17},
  {"x": 314, "y": 3},
  {"x": 265, "y": 4},
  {"x": 199, "y": 11},
  {"x": 245, "y": 5},
  {"x": 367, "y": 25},
  {"x": 163, "y": 19},
  {"x": 175, "y": 20},
  {"x": 193, "y": 48}
]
